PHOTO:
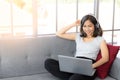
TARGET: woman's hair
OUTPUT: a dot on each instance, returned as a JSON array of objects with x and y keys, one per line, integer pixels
[{"x": 97, "y": 31}]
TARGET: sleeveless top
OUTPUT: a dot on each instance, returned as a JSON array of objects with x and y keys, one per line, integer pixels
[{"x": 87, "y": 49}]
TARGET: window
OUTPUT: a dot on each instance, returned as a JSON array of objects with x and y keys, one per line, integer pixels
[
  {"x": 46, "y": 11},
  {"x": 22, "y": 17},
  {"x": 117, "y": 15},
  {"x": 15, "y": 18},
  {"x": 109, "y": 11},
  {"x": 38, "y": 17},
  {"x": 5, "y": 18},
  {"x": 108, "y": 36},
  {"x": 85, "y": 7},
  {"x": 106, "y": 14},
  {"x": 66, "y": 13},
  {"x": 116, "y": 38}
]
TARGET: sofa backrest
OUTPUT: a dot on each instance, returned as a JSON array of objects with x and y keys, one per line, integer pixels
[{"x": 26, "y": 56}]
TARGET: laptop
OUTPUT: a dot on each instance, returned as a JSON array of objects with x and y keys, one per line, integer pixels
[{"x": 76, "y": 65}]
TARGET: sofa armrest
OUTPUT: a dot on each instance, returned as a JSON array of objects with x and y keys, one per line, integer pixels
[{"x": 115, "y": 69}]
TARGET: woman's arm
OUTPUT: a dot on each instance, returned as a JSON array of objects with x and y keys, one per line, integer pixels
[
  {"x": 104, "y": 54},
  {"x": 62, "y": 32}
]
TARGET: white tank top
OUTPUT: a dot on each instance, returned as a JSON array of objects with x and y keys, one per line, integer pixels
[{"x": 87, "y": 49}]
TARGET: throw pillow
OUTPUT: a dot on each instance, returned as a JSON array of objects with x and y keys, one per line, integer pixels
[{"x": 103, "y": 70}]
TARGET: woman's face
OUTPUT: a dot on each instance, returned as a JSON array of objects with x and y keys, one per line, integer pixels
[{"x": 88, "y": 28}]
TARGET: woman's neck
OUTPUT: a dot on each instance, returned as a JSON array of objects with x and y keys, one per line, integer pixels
[{"x": 89, "y": 37}]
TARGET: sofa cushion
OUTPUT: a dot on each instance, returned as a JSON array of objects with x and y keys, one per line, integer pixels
[
  {"x": 61, "y": 46},
  {"x": 107, "y": 78},
  {"x": 103, "y": 70},
  {"x": 42, "y": 76},
  {"x": 115, "y": 69}
]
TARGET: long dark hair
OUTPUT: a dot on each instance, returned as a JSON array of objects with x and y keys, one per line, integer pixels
[{"x": 98, "y": 30}]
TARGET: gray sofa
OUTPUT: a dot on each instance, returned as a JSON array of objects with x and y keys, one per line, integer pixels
[{"x": 23, "y": 59}]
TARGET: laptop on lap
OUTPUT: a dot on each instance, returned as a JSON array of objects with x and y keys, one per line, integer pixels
[{"x": 76, "y": 65}]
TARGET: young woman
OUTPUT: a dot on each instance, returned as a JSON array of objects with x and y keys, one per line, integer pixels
[{"x": 88, "y": 43}]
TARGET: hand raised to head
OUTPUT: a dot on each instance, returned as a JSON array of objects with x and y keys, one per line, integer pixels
[{"x": 77, "y": 22}]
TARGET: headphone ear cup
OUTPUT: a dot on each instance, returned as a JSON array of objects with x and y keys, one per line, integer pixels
[{"x": 97, "y": 25}]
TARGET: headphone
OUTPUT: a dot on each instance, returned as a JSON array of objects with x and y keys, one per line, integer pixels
[{"x": 97, "y": 25}]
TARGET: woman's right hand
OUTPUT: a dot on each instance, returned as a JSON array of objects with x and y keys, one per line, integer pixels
[
  {"x": 71, "y": 36},
  {"x": 77, "y": 22}
]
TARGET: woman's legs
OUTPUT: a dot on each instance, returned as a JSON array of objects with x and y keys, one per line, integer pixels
[
  {"x": 82, "y": 77},
  {"x": 52, "y": 66}
]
